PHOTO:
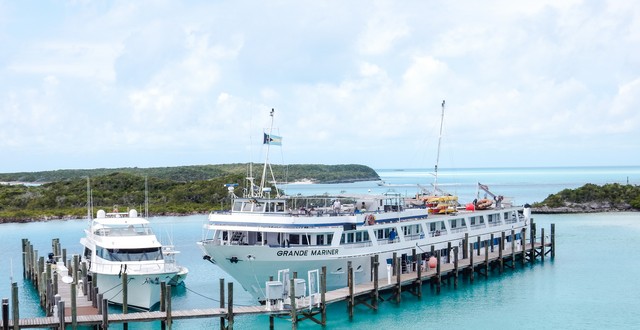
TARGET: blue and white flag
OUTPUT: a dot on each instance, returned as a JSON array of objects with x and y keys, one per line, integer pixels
[{"x": 273, "y": 140}]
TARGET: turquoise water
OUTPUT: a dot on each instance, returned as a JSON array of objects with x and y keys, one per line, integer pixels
[{"x": 591, "y": 284}]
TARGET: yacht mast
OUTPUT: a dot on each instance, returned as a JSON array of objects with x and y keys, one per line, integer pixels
[
  {"x": 89, "y": 201},
  {"x": 435, "y": 184},
  {"x": 146, "y": 197}
]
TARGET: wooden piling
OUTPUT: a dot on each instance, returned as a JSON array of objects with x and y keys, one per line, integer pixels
[
  {"x": 5, "y": 313},
  {"x": 61, "y": 313},
  {"x": 169, "y": 308},
  {"x": 465, "y": 246},
  {"x": 500, "y": 249},
  {"x": 523, "y": 243},
  {"x": 479, "y": 246},
  {"x": 513, "y": 249},
  {"x": 471, "y": 270},
  {"x": 104, "y": 310},
  {"x": 542, "y": 244},
  {"x": 222, "y": 297},
  {"x": 99, "y": 300},
  {"x": 414, "y": 260},
  {"x": 438, "y": 274},
  {"x": 393, "y": 263},
  {"x": 74, "y": 306},
  {"x": 15, "y": 306},
  {"x": 350, "y": 299},
  {"x": 294, "y": 310},
  {"x": 398, "y": 281},
  {"x": 486, "y": 260},
  {"x": 25, "y": 243},
  {"x": 229, "y": 303},
  {"x": 323, "y": 292},
  {"x": 492, "y": 241},
  {"x": 376, "y": 294},
  {"x": 553, "y": 240},
  {"x": 418, "y": 283},
  {"x": 163, "y": 302},
  {"x": 455, "y": 267},
  {"x": 125, "y": 298},
  {"x": 532, "y": 253}
]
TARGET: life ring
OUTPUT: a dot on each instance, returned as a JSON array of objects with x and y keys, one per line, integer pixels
[{"x": 371, "y": 219}]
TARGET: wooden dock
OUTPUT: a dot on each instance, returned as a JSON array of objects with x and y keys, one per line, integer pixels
[{"x": 409, "y": 277}]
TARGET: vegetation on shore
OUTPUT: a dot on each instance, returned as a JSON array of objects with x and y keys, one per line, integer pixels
[
  {"x": 284, "y": 173},
  {"x": 171, "y": 190},
  {"x": 592, "y": 198}
]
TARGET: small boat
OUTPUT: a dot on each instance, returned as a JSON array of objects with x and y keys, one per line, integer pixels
[
  {"x": 483, "y": 204},
  {"x": 122, "y": 242}
]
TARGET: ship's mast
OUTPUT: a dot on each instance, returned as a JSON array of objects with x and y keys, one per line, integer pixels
[
  {"x": 435, "y": 184},
  {"x": 266, "y": 162}
]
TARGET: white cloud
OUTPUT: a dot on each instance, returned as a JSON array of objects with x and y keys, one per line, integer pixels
[
  {"x": 383, "y": 29},
  {"x": 93, "y": 61},
  {"x": 349, "y": 81}
]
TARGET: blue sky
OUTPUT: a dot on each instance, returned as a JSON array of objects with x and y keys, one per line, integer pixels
[{"x": 100, "y": 84}]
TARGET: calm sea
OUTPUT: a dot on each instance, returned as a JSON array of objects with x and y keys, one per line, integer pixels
[{"x": 591, "y": 284}]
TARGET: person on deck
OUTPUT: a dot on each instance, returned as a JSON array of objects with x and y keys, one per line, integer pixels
[
  {"x": 392, "y": 235},
  {"x": 336, "y": 206}
]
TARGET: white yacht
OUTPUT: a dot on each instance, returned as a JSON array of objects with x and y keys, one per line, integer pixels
[
  {"x": 263, "y": 234},
  {"x": 121, "y": 242}
]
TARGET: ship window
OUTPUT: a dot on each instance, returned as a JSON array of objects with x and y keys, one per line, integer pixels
[
  {"x": 481, "y": 219},
  {"x": 329, "y": 238},
  {"x": 454, "y": 223},
  {"x": 442, "y": 225},
  {"x": 320, "y": 240},
  {"x": 294, "y": 239},
  {"x": 350, "y": 238},
  {"x": 473, "y": 221},
  {"x": 432, "y": 226},
  {"x": 237, "y": 206},
  {"x": 305, "y": 239}
]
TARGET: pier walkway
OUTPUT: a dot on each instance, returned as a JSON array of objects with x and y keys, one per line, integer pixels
[{"x": 92, "y": 309}]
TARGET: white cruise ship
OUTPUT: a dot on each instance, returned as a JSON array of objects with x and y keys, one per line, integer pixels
[{"x": 262, "y": 234}]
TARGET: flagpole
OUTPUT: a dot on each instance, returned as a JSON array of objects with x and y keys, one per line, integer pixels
[{"x": 435, "y": 184}]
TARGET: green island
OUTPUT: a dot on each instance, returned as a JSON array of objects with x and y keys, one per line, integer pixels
[
  {"x": 181, "y": 190},
  {"x": 590, "y": 198}
]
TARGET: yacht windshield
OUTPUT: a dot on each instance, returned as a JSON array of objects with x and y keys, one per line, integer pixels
[{"x": 143, "y": 254}]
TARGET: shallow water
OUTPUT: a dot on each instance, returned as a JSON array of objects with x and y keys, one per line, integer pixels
[{"x": 591, "y": 283}]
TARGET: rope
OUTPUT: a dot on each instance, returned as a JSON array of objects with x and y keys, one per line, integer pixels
[{"x": 209, "y": 298}]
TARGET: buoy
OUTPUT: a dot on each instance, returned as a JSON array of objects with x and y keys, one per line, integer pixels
[{"x": 432, "y": 262}]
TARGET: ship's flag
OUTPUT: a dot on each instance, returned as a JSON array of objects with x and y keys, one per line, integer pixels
[{"x": 273, "y": 140}]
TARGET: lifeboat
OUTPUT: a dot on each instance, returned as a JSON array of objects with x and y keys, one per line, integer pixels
[{"x": 484, "y": 204}]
